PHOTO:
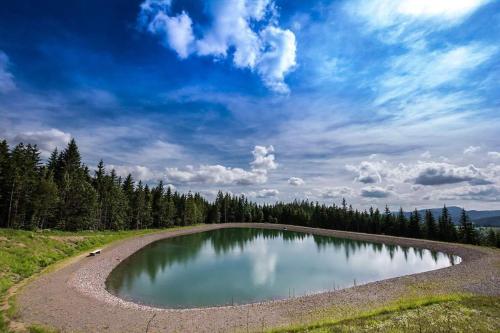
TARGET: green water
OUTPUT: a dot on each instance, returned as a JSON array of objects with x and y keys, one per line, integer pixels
[{"x": 243, "y": 265}]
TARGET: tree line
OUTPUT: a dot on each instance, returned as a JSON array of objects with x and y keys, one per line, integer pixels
[{"x": 64, "y": 194}]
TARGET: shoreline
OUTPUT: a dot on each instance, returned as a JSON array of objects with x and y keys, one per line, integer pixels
[{"x": 74, "y": 298}]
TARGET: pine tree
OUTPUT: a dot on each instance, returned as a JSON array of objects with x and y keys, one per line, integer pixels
[
  {"x": 78, "y": 208},
  {"x": 45, "y": 201},
  {"x": 158, "y": 207},
  {"x": 139, "y": 206},
  {"x": 71, "y": 158},
  {"x": 491, "y": 239},
  {"x": 414, "y": 226},
  {"x": 467, "y": 232},
  {"x": 388, "y": 226},
  {"x": 447, "y": 231},
  {"x": 402, "y": 223},
  {"x": 430, "y": 225},
  {"x": 128, "y": 191},
  {"x": 5, "y": 181}
]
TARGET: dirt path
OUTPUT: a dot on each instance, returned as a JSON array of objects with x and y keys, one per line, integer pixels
[{"x": 74, "y": 298}]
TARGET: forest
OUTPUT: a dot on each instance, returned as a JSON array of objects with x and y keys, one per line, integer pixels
[{"x": 64, "y": 194}]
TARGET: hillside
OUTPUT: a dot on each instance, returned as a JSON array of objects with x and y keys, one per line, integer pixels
[{"x": 479, "y": 217}]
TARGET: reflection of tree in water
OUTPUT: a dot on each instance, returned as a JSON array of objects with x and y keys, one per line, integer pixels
[{"x": 162, "y": 254}]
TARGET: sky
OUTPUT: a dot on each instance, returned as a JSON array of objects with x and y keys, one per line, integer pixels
[{"x": 378, "y": 101}]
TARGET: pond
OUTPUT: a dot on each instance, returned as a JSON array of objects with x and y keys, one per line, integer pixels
[{"x": 244, "y": 265}]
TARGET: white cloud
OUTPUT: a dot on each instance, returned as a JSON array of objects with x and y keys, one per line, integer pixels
[
  {"x": 403, "y": 15},
  {"x": 296, "y": 181},
  {"x": 369, "y": 172},
  {"x": 216, "y": 174},
  {"x": 427, "y": 173},
  {"x": 161, "y": 150},
  {"x": 419, "y": 72},
  {"x": 263, "y": 158},
  {"x": 444, "y": 9},
  {"x": 433, "y": 173},
  {"x": 279, "y": 58},
  {"x": 481, "y": 193},
  {"x": 494, "y": 154},
  {"x": 138, "y": 172},
  {"x": 6, "y": 78},
  {"x": 376, "y": 192},
  {"x": 176, "y": 32},
  {"x": 231, "y": 28},
  {"x": 471, "y": 150},
  {"x": 269, "y": 51},
  {"x": 336, "y": 192},
  {"x": 46, "y": 140},
  {"x": 265, "y": 193},
  {"x": 221, "y": 175}
]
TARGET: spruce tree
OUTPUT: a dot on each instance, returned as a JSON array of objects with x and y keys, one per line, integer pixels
[
  {"x": 5, "y": 181},
  {"x": 467, "y": 231},
  {"x": 430, "y": 225},
  {"x": 402, "y": 223},
  {"x": 414, "y": 226}
]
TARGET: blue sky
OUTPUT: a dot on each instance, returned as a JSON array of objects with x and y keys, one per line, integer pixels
[{"x": 377, "y": 101}]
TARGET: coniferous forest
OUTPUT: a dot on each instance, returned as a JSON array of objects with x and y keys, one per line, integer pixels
[{"x": 64, "y": 194}]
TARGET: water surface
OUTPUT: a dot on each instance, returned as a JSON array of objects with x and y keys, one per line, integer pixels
[{"x": 243, "y": 265}]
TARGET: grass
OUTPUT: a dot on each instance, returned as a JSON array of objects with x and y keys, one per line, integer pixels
[
  {"x": 23, "y": 254},
  {"x": 446, "y": 313}
]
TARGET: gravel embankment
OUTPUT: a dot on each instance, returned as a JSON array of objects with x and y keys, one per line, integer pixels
[{"x": 74, "y": 298}]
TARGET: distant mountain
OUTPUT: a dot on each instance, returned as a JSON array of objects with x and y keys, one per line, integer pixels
[
  {"x": 493, "y": 221},
  {"x": 479, "y": 217}
]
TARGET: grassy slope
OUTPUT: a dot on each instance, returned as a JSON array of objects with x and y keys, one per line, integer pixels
[
  {"x": 447, "y": 313},
  {"x": 25, "y": 253}
]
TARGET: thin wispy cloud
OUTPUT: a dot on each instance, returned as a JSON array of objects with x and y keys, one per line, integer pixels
[
  {"x": 410, "y": 20},
  {"x": 421, "y": 72},
  {"x": 6, "y": 77}
]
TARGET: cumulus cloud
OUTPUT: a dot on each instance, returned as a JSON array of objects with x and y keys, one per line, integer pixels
[
  {"x": 138, "y": 172},
  {"x": 263, "y": 158},
  {"x": 336, "y": 192},
  {"x": 375, "y": 192},
  {"x": 176, "y": 32},
  {"x": 423, "y": 173},
  {"x": 245, "y": 28},
  {"x": 216, "y": 174},
  {"x": 433, "y": 173},
  {"x": 46, "y": 140},
  {"x": 296, "y": 181},
  {"x": 471, "y": 150},
  {"x": 263, "y": 162},
  {"x": 369, "y": 172},
  {"x": 6, "y": 78},
  {"x": 481, "y": 193},
  {"x": 279, "y": 58},
  {"x": 265, "y": 193}
]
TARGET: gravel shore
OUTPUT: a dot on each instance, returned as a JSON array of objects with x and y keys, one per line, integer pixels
[{"x": 74, "y": 298}]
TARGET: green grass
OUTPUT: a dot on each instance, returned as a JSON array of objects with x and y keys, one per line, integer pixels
[
  {"x": 26, "y": 253},
  {"x": 448, "y": 313}
]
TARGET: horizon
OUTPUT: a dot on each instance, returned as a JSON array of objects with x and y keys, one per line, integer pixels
[{"x": 381, "y": 103}]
